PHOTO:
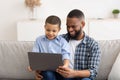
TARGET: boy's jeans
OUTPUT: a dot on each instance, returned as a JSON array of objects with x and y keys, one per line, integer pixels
[
  {"x": 78, "y": 79},
  {"x": 52, "y": 75}
]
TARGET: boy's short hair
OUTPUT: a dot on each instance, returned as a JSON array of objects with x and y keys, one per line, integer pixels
[
  {"x": 76, "y": 13},
  {"x": 53, "y": 20}
]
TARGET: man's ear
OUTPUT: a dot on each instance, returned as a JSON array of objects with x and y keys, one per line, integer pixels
[{"x": 83, "y": 24}]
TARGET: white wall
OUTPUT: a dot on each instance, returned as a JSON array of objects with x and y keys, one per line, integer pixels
[
  {"x": 11, "y": 11},
  {"x": 92, "y": 8}
]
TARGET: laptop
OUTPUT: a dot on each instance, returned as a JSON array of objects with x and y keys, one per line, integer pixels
[{"x": 44, "y": 61}]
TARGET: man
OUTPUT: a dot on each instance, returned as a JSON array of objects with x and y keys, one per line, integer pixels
[{"x": 85, "y": 52}]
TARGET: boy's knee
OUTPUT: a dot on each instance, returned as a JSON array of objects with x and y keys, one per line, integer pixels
[
  {"x": 85, "y": 79},
  {"x": 48, "y": 73}
]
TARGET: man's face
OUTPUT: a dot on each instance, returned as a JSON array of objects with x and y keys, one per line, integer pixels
[{"x": 74, "y": 27}]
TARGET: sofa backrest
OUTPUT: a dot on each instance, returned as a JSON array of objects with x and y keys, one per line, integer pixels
[
  {"x": 109, "y": 52},
  {"x": 14, "y": 59}
]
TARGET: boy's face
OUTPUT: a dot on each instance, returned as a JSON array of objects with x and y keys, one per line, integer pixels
[{"x": 51, "y": 30}]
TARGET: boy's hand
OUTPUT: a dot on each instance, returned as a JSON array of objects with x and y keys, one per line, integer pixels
[
  {"x": 66, "y": 63},
  {"x": 29, "y": 69},
  {"x": 37, "y": 75},
  {"x": 65, "y": 66}
]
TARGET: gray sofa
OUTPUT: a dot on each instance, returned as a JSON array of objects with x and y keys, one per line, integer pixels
[{"x": 14, "y": 60}]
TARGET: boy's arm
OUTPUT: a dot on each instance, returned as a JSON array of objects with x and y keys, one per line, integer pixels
[
  {"x": 65, "y": 52},
  {"x": 29, "y": 68},
  {"x": 65, "y": 63},
  {"x": 36, "y": 46}
]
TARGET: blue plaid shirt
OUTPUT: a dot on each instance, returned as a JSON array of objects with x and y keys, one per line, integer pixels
[{"x": 87, "y": 55}]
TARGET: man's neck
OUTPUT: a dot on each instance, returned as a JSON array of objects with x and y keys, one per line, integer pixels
[{"x": 81, "y": 36}]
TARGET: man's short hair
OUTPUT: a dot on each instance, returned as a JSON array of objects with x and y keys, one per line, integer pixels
[
  {"x": 53, "y": 20},
  {"x": 76, "y": 13}
]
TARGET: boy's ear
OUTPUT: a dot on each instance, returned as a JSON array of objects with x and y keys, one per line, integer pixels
[
  {"x": 59, "y": 29},
  {"x": 44, "y": 26}
]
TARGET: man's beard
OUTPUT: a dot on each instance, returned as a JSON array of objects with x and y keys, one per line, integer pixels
[{"x": 77, "y": 34}]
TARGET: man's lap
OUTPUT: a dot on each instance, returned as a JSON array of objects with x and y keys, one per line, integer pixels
[{"x": 52, "y": 75}]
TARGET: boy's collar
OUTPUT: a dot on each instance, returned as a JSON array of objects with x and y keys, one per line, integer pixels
[{"x": 57, "y": 37}]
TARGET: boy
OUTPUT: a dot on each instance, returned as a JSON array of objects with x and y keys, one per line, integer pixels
[{"x": 52, "y": 43}]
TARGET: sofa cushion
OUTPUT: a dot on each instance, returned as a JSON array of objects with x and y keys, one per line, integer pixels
[
  {"x": 109, "y": 53},
  {"x": 115, "y": 71},
  {"x": 14, "y": 59}
]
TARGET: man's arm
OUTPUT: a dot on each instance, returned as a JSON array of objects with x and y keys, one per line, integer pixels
[
  {"x": 82, "y": 73},
  {"x": 91, "y": 72},
  {"x": 94, "y": 59},
  {"x": 70, "y": 73}
]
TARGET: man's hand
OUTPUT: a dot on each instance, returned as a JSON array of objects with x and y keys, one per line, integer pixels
[
  {"x": 37, "y": 75},
  {"x": 66, "y": 72}
]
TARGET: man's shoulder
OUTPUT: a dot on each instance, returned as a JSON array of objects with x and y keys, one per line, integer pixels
[
  {"x": 90, "y": 40},
  {"x": 62, "y": 39},
  {"x": 65, "y": 36}
]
